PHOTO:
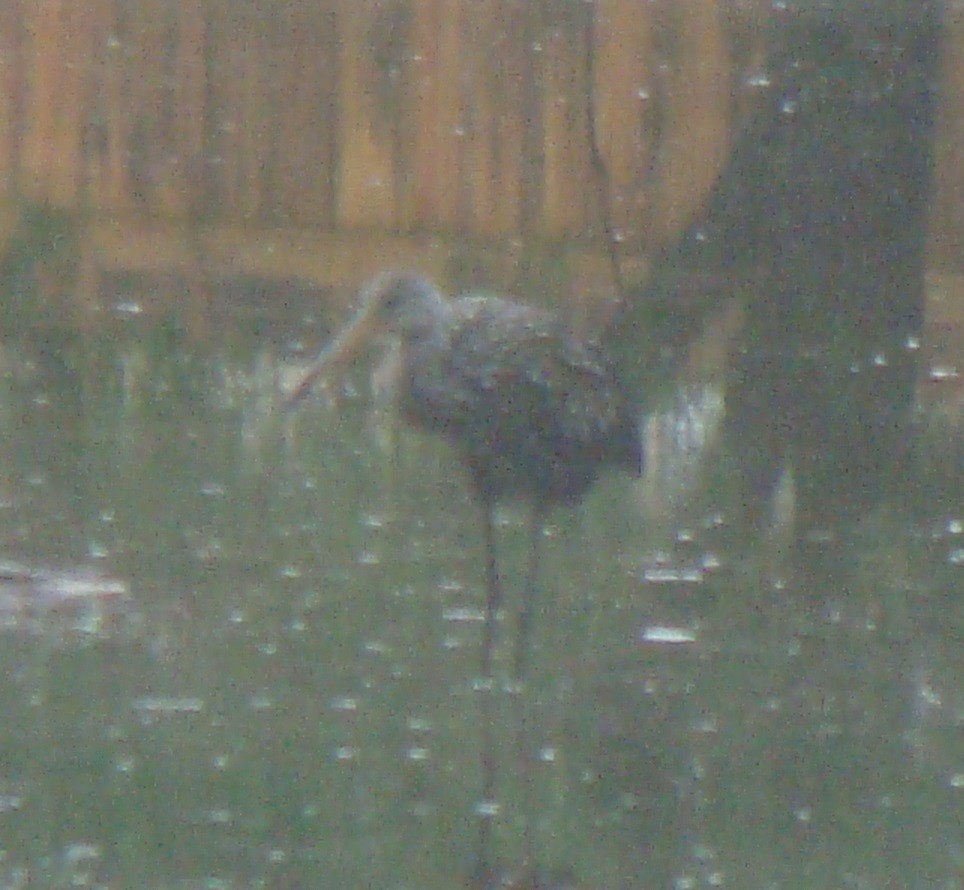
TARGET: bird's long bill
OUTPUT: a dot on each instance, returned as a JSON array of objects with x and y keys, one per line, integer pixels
[{"x": 342, "y": 349}]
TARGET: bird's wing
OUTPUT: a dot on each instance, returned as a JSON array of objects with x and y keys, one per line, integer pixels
[{"x": 523, "y": 368}]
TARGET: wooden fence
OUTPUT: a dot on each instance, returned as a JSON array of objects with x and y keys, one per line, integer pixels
[{"x": 228, "y": 129}]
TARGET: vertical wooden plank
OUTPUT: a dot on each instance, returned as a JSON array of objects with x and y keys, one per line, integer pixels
[
  {"x": 288, "y": 168},
  {"x": 11, "y": 94},
  {"x": 482, "y": 39},
  {"x": 318, "y": 98},
  {"x": 532, "y": 84},
  {"x": 41, "y": 63},
  {"x": 291, "y": 182},
  {"x": 272, "y": 57},
  {"x": 511, "y": 123},
  {"x": 168, "y": 195},
  {"x": 144, "y": 52},
  {"x": 115, "y": 186},
  {"x": 91, "y": 135},
  {"x": 450, "y": 129},
  {"x": 90, "y": 26},
  {"x": 365, "y": 173},
  {"x": 622, "y": 98},
  {"x": 395, "y": 91},
  {"x": 437, "y": 109},
  {"x": 159, "y": 61},
  {"x": 227, "y": 76},
  {"x": 255, "y": 112},
  {"x": 947, "y": 227},
  {"x": 698, "y": 117},
  {"x": 221, "y": 122},
  {"x": 189, "y": 87},
  {"x": 493, "y": 67},
  {"x": 546, "y": 48},
  {"x": 426, "y": 160},
  {"x": 79, "y": 24},
  {"x": 241, "y": 40},
  {"x": 567, "y": 170}
]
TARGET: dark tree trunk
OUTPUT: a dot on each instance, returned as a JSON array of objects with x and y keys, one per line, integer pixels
[{"x": 819, "y": 220}]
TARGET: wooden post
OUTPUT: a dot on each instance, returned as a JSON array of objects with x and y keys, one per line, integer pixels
[{"x": 365, "y": 193}]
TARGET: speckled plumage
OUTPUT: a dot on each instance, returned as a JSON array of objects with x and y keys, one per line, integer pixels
[{"x": 533, "y": 411}]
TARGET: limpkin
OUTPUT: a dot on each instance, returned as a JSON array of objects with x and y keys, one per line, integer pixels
[{"x": 534, "y": 412}]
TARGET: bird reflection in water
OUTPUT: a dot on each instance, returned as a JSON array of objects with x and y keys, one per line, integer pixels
[{"x": 534, "y": 413}]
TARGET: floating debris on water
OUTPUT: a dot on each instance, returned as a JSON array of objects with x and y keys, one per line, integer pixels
[
  {"x": 943, "y": 372},
  {"x": 32, "y": 596},
  {"x": 417, "y": 753},
  {"x": 667, "y": 574},
  {"x": 462, "y": 613},
  {"x": 344, "y": 703},
  {"x": 162, "y": 706},
  {"x": 488, "y": 808},
  {"x": 10, "y": 802},
  {"x": 52, "y": 587},
  {"x": 666, "y": 634},
  {"x": 376, "y": 647},
  {"x": 346, "y": 753}
]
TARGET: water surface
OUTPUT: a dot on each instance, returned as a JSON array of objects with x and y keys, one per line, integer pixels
[{"x": 287, "y": 695}]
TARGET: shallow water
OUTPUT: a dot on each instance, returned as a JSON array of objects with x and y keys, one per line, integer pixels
[{"x": 288, "y": 694}]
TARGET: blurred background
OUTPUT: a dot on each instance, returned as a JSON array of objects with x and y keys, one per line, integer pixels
[{"x": 241, "y": 651}]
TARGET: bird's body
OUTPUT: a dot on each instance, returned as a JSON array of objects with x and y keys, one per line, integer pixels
[{"x": 533, "y": 411}]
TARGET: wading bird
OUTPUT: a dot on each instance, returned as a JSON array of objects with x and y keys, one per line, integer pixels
[{"x": 534, "y": 412}]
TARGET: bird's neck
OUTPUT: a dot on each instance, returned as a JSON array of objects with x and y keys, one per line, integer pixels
[{"x": 429, "y": 325}]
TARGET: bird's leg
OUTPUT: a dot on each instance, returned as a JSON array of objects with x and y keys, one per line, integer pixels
[
  {"x": 493, "y": 584},
  {"x": 524, "y": 632},
  {"x": 523, "y": 636},
  {"x": 493, "y": 602}
]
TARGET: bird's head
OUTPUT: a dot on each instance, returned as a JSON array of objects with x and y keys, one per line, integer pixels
[
  {"x": 405, "y": 302},
  {"x": 407, "y": 306}
]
